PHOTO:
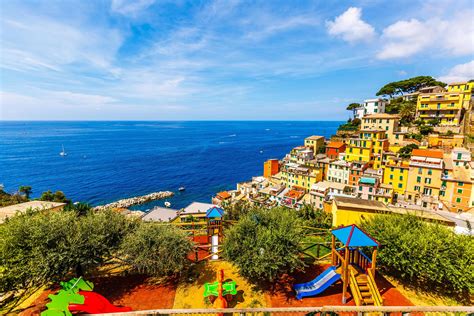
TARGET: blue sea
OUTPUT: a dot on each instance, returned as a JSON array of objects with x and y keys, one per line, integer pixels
[{"x": 107, "y": 161}]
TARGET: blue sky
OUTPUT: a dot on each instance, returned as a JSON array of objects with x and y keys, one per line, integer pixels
[{"x": 179, "y": 60}]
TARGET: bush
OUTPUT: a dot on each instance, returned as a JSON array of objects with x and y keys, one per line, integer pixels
[
  {"x": 315, "y": 217},
  {"x": 426, "y": 255},
  {"x": 405, "y": 151},
  {"x": 157, "y": 249},
  {"x": 265, "y": 243},
  {"x": 40, "y": 247}
]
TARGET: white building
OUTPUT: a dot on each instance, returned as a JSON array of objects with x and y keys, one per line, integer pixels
[
  {"x": 371, "y": 106},
  {"x": 338, "y": 171},
  {"x": 325, "y": 191}
]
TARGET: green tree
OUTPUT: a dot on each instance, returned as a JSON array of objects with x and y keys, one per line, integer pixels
[
  {"x": 234, "y": 211},
  {"x": 265, "y": 243},
  {"x": 408, "y": 86},
  {"x": 407, "y": 112},
  {"x": 57, "y": 196},
  {"x": 26, "y": 190},
  {"x": 315, "y": 217},
  {"x": 425, "y": 129},
  {"x": 41, "y": 247},
  {"x": 353, "y": 107},
  {"x": 157, "y": 249},
  {"x": 424, "y": 254},
  {"x": 405, "y": 151},
  {"x": 80, "y": 208}
]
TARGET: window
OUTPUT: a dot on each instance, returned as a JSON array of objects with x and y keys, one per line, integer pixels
[
  {"x": 420, "y": 170},
  {"x": 458, "y": 200},
  {"x": 400, "y": 185},
  {"x": 460, "y": 184},
  {"x": 401, "y": 178},
  {"x": 417, "y": 188},
  {"x": 391, "y": 177},
  {"x": 430, "y": 172},
  {"x": 428, "y": 180},
  {"x": 459, "y": 156},
  {"x": 427, "y": 191},
  {"x": 418, "y": 179},
  {"x": 460, "y": 191}
]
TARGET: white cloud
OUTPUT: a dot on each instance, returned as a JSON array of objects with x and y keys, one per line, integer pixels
[
  {"x": 459, "y": 73},
  {"x": 45, "y": 43},
  {"x": 130, "y": 7},
  {"x": 350, "y": 27},
  {"x": 406, "y": 38}
]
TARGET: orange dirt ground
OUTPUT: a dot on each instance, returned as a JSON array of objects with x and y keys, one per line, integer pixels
[
  {"x": 138, "y": 293},
  {"x": 133, "y": 291},
  {"x": 282, "y": 295}
]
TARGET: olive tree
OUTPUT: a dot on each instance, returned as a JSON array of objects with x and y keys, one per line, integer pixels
[
  {"x": 157, "y": 249},
  {"x": 265, "y": 243}
]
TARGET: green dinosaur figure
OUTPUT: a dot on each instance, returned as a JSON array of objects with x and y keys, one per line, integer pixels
[
  {"x": 69, "y": 294},
  {"x": 77, "y": 284}
]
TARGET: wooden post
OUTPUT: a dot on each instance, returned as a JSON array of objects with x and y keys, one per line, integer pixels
[
  {"x": 356, "y": 256},
  {"x": 345, "y": 274},
  {"x": 333, "y": 250},
  {"x": 374, "y": 257}
]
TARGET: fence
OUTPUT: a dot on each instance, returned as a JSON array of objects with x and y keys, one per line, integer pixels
[{"x": 312, "y": 311}]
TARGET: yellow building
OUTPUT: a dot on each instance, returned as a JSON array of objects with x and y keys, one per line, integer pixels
[
  {"x": 457, "y": 189},
  {"x": 424, "y": 177},
  {"x": 445, "y": 106},
  {"x": 347, "y": 211},
  {"x": 368, "y": 147},
  {"x": 295, "y": 175},
  {"x": 395, "y": 173},
  {"x": 449, "y": 141},
  {"x": 316, "y": 143},
  {"x": 383, "y": 121},
  {"x": 466, "y": 88},
  {"x": 271, "y": 167}
]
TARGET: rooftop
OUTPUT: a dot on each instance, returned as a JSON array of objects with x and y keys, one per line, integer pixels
[
  {"x": 335, "y": 145},
  {"x": 427, "y": 153},
  {"x": 197, "y": 208},
  {"x": 160, "y": 214},
  {"x": 11, "y": 210},
  {"x": 314, "y": 137},
  {"x": 343, "y": 201},
  {"x": 382, "y": 115}
]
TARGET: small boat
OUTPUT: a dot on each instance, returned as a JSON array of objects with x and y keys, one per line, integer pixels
[
  {"x": 181, "y": 189},
  {"x": 167, "y": 204},
  {"x": 63, "y": 152}
]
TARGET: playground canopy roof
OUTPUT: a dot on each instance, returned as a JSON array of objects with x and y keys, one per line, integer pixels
[
  {"x": 353, "y": 236},
  {"x": 215, "y": 212}
]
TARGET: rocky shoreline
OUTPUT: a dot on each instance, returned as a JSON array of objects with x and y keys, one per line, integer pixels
[{"x": 126, "y": 203}]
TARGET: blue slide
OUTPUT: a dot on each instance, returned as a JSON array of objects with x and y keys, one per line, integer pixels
[{"x": 318, "y": 285}]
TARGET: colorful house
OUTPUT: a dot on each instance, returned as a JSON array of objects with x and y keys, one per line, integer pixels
[
  {"x": 338, "y": 171},
  {"x": 316, "y": 143},
  {"x": 333, "y": 149},
  {"x": 356, "y": 171},
  {"x": 395, "y": 173},
  {"x": 445, "y": 141},
  {"x": 383, "y": 121},
  {"x": 424, "y": 177},
  {"x": 368, "y": 147},
  {"x": 271, "y": 167},
  {"x": 466, "y": 88},
  {"x": 445, "y": 106}
]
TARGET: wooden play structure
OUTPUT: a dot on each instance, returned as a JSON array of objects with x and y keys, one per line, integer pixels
[{"x": 351, "y": 266}]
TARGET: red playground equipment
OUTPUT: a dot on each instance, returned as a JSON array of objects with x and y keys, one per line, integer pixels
[{"x": 94, "y": 303}]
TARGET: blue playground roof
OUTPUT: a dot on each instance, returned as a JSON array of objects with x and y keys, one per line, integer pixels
[
  {"x": 215, "y": 212},
  {"x": 353, "y": 236}
]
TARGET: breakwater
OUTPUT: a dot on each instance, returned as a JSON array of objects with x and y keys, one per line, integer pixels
[{"x": 126, "y": 203}]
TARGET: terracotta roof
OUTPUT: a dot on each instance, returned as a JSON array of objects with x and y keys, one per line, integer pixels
[
  {"x": 335, "y": 144},
  {"x": 427, "y": 153},
  {"x": 382, "y": 115},
  {"x": 314, "y": 137},
  {"x": 224, "y": 195}
]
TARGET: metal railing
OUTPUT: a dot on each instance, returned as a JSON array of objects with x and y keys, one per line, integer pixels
[{"x": 312, "y": 311}]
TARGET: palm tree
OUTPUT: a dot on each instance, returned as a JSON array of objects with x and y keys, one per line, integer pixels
[
  {"x": 26, "y": 190},
  {"x": 407, "y": 111}
]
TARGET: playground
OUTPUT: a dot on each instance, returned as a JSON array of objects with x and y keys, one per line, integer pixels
[{"x": 344, "y": 275}]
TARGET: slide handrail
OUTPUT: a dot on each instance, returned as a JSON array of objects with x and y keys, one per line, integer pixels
[{"x": 373, "y": 289}]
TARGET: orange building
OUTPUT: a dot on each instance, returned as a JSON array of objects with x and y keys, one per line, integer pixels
[
  {"x": 271, "y": 167},
  {"x": 333, "y": 149}
]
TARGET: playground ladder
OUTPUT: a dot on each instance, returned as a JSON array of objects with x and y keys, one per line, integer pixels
[{"x": 363, "y": 288}]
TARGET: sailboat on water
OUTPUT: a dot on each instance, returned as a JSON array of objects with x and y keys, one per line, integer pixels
[{"x": 63, "y": 152}]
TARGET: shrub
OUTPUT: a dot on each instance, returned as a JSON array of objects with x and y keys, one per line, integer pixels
[
  {"x": 157, "y": 249},
  {"x": 40, "y": 247},
  {"x": 426, "y": 255},
  {"x": 265, "y": 243}
]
